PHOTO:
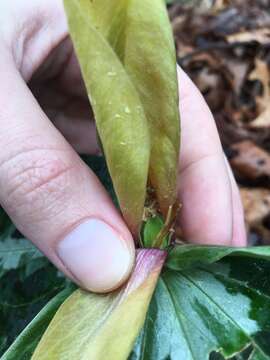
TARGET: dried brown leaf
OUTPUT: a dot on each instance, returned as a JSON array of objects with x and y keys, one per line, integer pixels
[
  {"x": 250, "y": 161},
  {"x": 256, "y": 204},
  {"x": 262, "y": 36},
  {"x": 263, "y": 120},
  {"x": 261, "y": 73}
]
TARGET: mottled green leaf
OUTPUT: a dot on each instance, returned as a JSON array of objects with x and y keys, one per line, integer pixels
[
  {"x": 22, "y": 297},
  {"x": 127, "y": 56},
  {"x": 25, "y": 344},
  {"x": 190, "y": 256},
  {"x": 207, "y": 299},
  {"x": 92, "y": 326},
  {"x": 16, "y": 252},
  {"x": 258, "y": 355},
  {"x": 205, "y": 306}
]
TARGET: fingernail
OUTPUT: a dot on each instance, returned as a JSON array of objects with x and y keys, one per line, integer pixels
[{"x": 96, "y": 255}]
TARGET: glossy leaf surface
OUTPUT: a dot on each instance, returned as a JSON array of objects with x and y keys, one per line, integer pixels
[
  {"x": 190, "y": 256},
  {"x": 207, "y": 299},
  {"x": 206, "y": 306},
  {"x": 92, "y": 326},
  {"x": 127, "y": 56}
]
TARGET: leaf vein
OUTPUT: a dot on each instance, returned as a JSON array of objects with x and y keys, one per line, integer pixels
[{"x": 180, "y": 321}]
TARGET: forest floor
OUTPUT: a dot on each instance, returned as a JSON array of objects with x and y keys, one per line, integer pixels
[{"x": 225, "y": 49}]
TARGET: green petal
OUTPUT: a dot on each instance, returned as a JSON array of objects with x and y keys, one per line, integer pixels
[{"x": 91, "y": 326}]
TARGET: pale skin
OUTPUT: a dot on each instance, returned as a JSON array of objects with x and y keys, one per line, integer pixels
[{"x": 45, "y": 187}]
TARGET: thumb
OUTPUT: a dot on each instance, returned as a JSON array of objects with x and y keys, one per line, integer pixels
[{"x": 53, "y": 197}]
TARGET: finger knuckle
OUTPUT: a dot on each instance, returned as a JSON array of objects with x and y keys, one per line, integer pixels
[{"x": 36, "y": 179}]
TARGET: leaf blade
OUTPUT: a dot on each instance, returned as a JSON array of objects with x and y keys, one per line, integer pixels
[
  {"x": 104, "y": 323},
  {"x": 118, "y": 111},
  {"x": 151, "y": 62},
  {"x": 188, "y": 256},
  {"x": 25, "y": 344},
  {"x": 15, "y": 253},
  {"x": 206, "y": 307}
]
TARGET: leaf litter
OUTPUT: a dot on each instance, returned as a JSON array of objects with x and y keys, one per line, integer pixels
[{"x": 224, "y": 46}]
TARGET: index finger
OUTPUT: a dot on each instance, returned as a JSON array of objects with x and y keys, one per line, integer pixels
[{"x": 211, "y": 212}]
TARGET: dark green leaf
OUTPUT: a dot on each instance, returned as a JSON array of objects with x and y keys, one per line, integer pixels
[
  {"x": 22, "y": 297},
  {"x": 204, "y": 306},
  {"x": 25, "y": 344},
  {"x": 258, "y": 355},
  {"x": 189, "y": 256},
  {"x": 99, "y": 166},
  {"x": 5, "y": 223},
  {"x": 16, "y": 252}
]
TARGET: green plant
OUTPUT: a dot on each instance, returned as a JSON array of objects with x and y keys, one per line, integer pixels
[{"x": 182, "y": 301}]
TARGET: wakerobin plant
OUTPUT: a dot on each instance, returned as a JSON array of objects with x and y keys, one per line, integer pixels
[{"x": 202, "y": 299}]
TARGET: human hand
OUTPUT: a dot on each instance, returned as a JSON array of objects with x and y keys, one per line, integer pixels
[{"x": 54, "y": 199}]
